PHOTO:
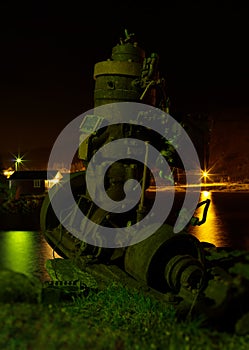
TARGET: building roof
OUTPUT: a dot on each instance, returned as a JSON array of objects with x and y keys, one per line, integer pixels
[{"x": 33, "y": 175}]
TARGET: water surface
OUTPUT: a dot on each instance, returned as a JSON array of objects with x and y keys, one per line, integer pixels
[
  {"x": 25, "y": 251},
  {"x": 227, "y": 225}
]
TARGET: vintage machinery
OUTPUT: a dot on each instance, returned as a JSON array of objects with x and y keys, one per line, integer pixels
[
  {"x": 127, "y": 76},
  {"x": 177, "y": 268}
]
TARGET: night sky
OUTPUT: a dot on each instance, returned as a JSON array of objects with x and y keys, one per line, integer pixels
[{"x": 49, "y": 48}]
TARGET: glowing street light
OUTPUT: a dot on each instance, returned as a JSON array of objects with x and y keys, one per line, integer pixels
[
  {"x": 205, "y": 175},
  {"x": 18, "y": 162}
]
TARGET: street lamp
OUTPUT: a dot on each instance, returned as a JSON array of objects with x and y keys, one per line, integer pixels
[
  {"x": 205, "y": 175},
  {"x": 18, "y": 162}
]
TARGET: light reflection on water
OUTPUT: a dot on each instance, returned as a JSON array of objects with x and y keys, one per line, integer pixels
[
  {"x": 227, "y": 224},
  {"x": 25, "y": 251},
  {"x": 211, "y": 229}
]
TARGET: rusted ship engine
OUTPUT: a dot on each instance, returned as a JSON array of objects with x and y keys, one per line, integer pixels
[{"x": 196, "y": 277}]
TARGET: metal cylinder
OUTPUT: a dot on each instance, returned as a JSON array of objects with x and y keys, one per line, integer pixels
[
  {"x": 165, "y": 261},
  {"x": 119, "y": 79},
  {"x": 128, "y": 52},
  {"x": 184, "y": 270}
]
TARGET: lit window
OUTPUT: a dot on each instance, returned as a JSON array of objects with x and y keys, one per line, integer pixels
[{"x": 37, "y": 183}]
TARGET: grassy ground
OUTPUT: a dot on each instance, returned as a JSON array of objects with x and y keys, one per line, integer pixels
[{"x": 115, "y": 318}]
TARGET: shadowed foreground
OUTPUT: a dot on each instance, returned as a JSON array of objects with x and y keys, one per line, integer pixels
[{"x": 114, "y": 318}]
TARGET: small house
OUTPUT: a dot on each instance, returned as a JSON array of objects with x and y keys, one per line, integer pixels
[{"x": 34, "y": 182}]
